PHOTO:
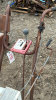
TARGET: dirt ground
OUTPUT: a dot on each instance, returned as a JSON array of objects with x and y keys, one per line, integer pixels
[{"x": 11, "y": 74}]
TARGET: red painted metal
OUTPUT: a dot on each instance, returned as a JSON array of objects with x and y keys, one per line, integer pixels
[
  {"x": 23, "y": 78},
  {"x": 23, "y": 51}
]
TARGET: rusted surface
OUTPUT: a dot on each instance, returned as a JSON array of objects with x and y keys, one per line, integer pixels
[
  {"x": 30, "y": 53},
  {"x": 36, "y": 50},
  {"x": 5, "y": 28},
  {"x": 1, "y": 46},
  {"x": 32, "y": 86},
  {"x": 2, "y": 23},
  {"x": 23, "y": 77},
  {"x": 1, "y": 41},
  {"x": 44, "y": 13},
  {"x": 34, "y": 61},
  {"x": 35, "y": 7},
  {"x": 35, "y": 55},
  {"x": 38, "y": 3}
]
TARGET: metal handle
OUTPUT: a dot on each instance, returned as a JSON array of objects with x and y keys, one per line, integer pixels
[
  {"x": 9, "y": 2},
  {"x": 53, "y": 9},
  {"x": 25, "y": 31},
  {"x": 48, "y": 42}
]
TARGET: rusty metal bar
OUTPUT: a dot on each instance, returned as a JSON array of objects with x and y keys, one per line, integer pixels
[
  {"x": 34, "y": 61},
  {"x": 38, "y": 3},
  {"x": 36, "y": 48},
  {"x": 34, "y": 51},
  {"x": 51, "y": 51},
  {"x": 38, "y": 75},
  {"x": 23, "y": 78},
  {"x": 2, "y": 48},
  {"x": 5, "y": 33}
]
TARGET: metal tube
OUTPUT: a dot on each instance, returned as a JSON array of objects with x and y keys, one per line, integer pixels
[
  {"x": 5, "y": 33},
  {"x": 44, "y": 13},
  {"x": 36, "y": 50},
  {"x": 34, "y": 61},
  {"x": 23, "y": 78}
]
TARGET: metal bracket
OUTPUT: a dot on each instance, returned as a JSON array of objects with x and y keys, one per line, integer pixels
[{"x": 41, "y": 27}]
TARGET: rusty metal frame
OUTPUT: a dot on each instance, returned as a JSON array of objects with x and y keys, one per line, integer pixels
[{"x": 34, "y": 51}]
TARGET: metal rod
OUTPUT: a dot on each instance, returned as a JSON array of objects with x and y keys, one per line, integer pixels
[
  {"x": 36, "y": 50},
  {"x": 34, "y": 61},
  {"x": 36, "y": 78},
  {"x": 39, "y": 73},
  {"x": 23, "y": 78},
  {"x": 5, "y": 33}
]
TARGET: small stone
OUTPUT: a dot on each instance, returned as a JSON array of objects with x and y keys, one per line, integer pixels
[
  {"x": 54, "y": 64},
  {"x": 35, "y": 19},
  {"x": 21, "y": 18},
  {"x": 51, "y": 92},
  {"x": 47, "y": 83},
  {"x": 46, "y": 37},
  {"x": 40, "y": 56}
]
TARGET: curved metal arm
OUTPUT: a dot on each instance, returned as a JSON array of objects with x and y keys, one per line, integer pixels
[
  {"x": 5, "y": 32},
  {"x": 8, "y": 13},
  {"x": 38, "y": 36},
  {"x": 36, "y": 48},
  {"x": 46, "y": 11}
]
